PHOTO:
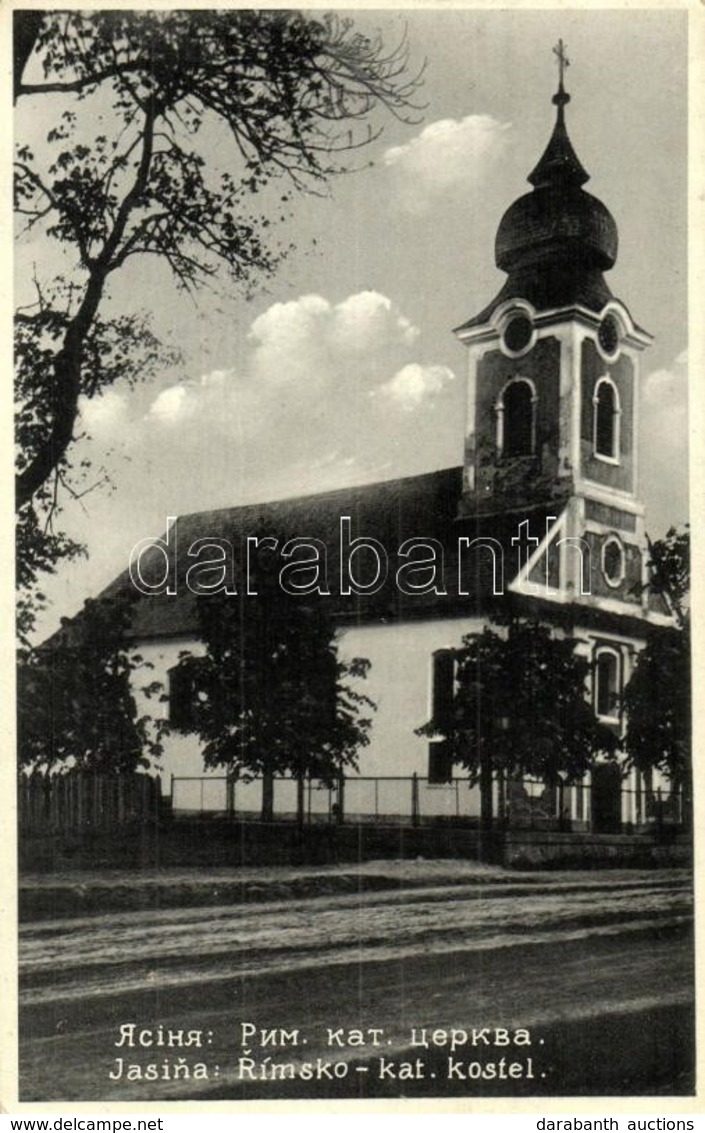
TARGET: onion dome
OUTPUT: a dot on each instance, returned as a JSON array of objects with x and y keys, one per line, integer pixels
[
  {"x": 558, "y": 220},
  {"x": 555, "y": 242}
]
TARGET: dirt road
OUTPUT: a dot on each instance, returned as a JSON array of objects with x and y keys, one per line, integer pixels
[{"x": 590, "y": 966}]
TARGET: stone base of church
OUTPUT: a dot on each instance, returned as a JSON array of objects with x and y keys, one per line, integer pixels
[
  {"x": 210, "y": 843},
  {"x": 555, "y": 849}
]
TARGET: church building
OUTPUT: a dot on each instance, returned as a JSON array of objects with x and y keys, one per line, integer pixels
[{"x": 542, "y": 512}]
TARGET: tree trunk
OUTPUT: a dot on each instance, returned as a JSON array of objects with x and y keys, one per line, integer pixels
[
  {"x": 300, "y": 800},
  {"x": 25, "y": 29},
  {"x": 486, "y": 808},
  {"x": 267, "y": 797}
]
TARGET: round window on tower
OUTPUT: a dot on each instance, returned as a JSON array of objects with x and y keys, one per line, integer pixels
[
  {"x": 518, "y": 334},
  {"x": 613, "y": 567},
  {"x": 608, "y": 335}
]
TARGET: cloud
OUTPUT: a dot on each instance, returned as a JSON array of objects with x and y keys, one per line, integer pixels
[
  {"x": 172, "y": 404},
  {"x": 176, "y": 403},
  {"x": 102, "y": 414},
  {"x": 299, "y": 351},
  {"x": 447, "y": 154},
  {"x": 306, "y": 339},
  {"x": 667, "y": 389},
  {"x": 663, "y": 451},
  {"x": 314, "y": 402},
  {"x": 366, "y": 321},
  {"x": 414, "y": 384}
]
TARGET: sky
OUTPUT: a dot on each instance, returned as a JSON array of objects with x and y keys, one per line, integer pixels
[{"x": 343, "y": 368}]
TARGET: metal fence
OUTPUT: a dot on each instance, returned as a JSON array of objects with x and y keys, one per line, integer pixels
[
  {"x": 597, "y": 805},
  {"x": 391, "y": 799}
]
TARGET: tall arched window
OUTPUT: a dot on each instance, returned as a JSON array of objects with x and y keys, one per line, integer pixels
[
  {"x": 516, "y": 424},
  {"x": 606, "y": 413},
  {"x": 607, "y": 678}
]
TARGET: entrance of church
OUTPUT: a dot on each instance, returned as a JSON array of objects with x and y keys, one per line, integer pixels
[{"x": 606, "y": 808}]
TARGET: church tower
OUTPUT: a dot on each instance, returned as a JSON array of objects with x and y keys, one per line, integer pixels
[{"x": 553, "y": 386}]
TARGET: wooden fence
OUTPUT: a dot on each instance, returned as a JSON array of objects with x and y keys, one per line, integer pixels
[{"x": 79, "y": 800}]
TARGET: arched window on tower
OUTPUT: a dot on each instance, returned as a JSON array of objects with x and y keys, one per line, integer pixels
[
  {"x": 516, "y": 418},
  {"x": 606, "y": 412}
]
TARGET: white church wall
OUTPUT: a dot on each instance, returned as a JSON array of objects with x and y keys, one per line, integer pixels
[
  {"x": 182, "y": 755},
  {"x": 399, "y": 682}
]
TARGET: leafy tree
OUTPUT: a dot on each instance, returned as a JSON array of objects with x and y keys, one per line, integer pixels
[
  {"x": 123, "y": 174},
  {"x": 658, "y": 699},
  {"x": 119, "y": 349},
  {"x": 272, "y": 696},
  {"x": 669, "y": 571},
  {"x": 76, "y": 703},
  {"x": 520, "y": 706}
]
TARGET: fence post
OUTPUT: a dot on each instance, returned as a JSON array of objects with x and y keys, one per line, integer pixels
[
  {"x": 340, "y": 813},
  {"x": 414, "y": 799},
  {"x": 563, "y": 824},
  {"x": 54, "y": 802},
  {"x": 267, "y": 797},
  {"x": 301, "y": 799},
  {"x": 502, "y": 797},
  {"x": 486, "y": 808}
]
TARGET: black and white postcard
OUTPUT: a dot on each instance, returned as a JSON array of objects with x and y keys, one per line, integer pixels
[{"x": 353, "y": 613}]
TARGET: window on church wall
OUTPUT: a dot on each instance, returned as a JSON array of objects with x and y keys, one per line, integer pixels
[
  {"x": 442, "y": 688},
  {"x": 516, "y": 419},
  {"x": 607, "y": 684},
  {"x": 440, "y": 760},
  {"x": 182, "y": 696},
  {"x": 440, "y": 763},
  {"x": 613, "y": 561},
  {"x": 606, "y": 419}
]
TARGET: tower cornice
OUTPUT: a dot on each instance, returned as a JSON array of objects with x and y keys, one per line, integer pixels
[{"x": 633, "y": 335}]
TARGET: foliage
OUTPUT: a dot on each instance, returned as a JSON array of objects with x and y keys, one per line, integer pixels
[
  {"x": 658, "y": 705},
  {"x": 669, "y": 570},
  {"x": 271, "y": 695},
  {"x": 658, "y": 698},
  {"x": 520, "y": 701},
  {"x": 38, "y": 548},
  {"x": 123, "y": 174},
  {"x": 75, "y": 700},
  {"x": 119, "y": 349}
]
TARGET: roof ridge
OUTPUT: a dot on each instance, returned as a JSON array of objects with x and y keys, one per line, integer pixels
[{"x": 326, "y": 494}]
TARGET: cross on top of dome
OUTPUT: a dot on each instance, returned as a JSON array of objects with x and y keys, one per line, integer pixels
[
  {"x": 559, "y": 161},
  {"x": 561, "y": 97},
  {"x": 555, "y": 242}
]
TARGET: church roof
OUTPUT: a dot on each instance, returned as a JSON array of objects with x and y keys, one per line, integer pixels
[
  {"x": 559, "y": 161},
  {"x": 390, "y": 512},
  {"x": 423, "y": 507}
]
